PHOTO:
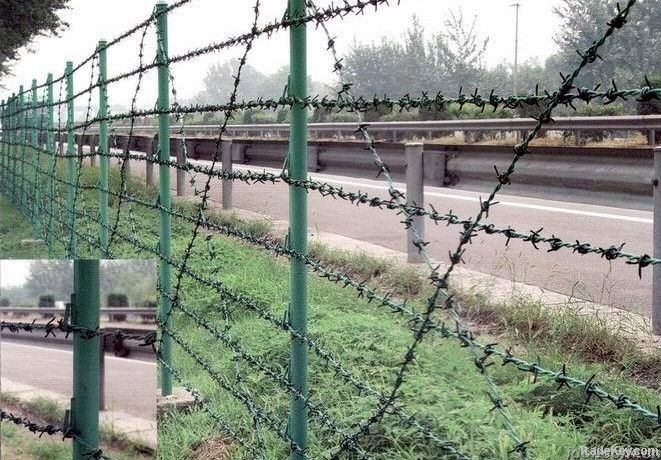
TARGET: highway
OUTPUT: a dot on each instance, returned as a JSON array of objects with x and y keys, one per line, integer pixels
[
  {"x": 130, "y": 384},
  {"x": 585, "y": 277}
]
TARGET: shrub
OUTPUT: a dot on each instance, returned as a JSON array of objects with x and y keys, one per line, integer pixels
[
  {"x": 406, "y": 115},
  {"x": 652, "y": 107},
  {"x": 598, "y": 110},
  {"x": 46, "y": 301},
  {"x": 264, "y": 118},
  {"x": 115, "y": 300}
]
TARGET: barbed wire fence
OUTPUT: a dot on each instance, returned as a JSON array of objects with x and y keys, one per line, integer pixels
[
  {"x": 72, "y": 204},
  {"x": 81, "y": 321}
]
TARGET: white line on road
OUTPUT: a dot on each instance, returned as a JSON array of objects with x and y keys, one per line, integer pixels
[
  {"x": 71, "y": 353},
  {"x": 513, "y": 204}
]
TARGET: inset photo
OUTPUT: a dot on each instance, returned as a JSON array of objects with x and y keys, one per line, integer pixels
[{"x": 77, "y": 359}]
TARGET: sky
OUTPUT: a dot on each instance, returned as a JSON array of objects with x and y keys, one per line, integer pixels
[
  {"x": 13, "y": 272},
  {"x": 204, "y": 21}
]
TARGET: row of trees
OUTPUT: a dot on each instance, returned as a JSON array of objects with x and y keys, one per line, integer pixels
[
  {"x": 454, "y": 58},
  {"x": 134, "y": 278}
]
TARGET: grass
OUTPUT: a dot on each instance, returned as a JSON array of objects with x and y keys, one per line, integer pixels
[
  {"x": 402, "y": 280},
  {"x": 589, "y": 338},
  {"x": 443, "y": 387}
]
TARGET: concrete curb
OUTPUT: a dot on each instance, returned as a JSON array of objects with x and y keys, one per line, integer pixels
[{"x": 140, "y": 431}]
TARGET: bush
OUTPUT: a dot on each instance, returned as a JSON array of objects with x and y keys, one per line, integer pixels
[
  {"x": 4, "y": 302},
  {"x": 149, "y": 303},
  {"x": 46, "y": 301},
  {"x": 652, "y": 107},
  {"x": 598, "y": 110},
  {"x": 264, "y": 118},
  {"x": 341, "y": 117},
  {"x": 470, "y": 112},
  {"x": 283, "y": 116},
  {"x": 115, "y": 300},
  {"x": 530, "y": 110},
  {"x": 406, "y": 115},
  {"x": 434, "y": 114}
]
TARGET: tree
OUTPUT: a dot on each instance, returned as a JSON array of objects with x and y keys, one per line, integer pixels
[
  {"x": 219, "y": 83},
  {"x": 627, "y": 56},
  {"x": 21, "y": 21},
  {"x": 49, "y": 277},
  {"x": 451, "y": 59},
  {"x": 459, "y": 53},
  {"x": 135, "y": 278}
]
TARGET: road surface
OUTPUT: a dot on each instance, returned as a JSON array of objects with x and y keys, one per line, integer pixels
[
  {"x": 130, "y": 384},
  {"x": 586, "y": 277}
]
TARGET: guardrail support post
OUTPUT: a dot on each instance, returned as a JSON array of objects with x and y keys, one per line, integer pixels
[
  {"x": 165, "y": 281},
  {"x": 125, "y": 160},
  {"x": 656, "y": 269},
  {"x": 93, "y": 141},
  {"x": 149, "y": 166},
  {"x": 181, "y": 163},
  {"x": 415, "y": 189},
  {"x": 313, "y": 158},
  {"x": 102, "y": 373},
  {"x": 60, "y": 144},
  {"x": 298, "y": 229},
  {"x": 651, "y": 137},
  {"x": 227, "y": 184},
  {"x": 85, "y": 313},
  {"x": 102, "y": 148}
]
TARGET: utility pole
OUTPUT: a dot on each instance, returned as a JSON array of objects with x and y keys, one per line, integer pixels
[{"x": 515, "y": 71}]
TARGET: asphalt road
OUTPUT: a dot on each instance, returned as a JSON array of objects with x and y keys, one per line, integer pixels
[
  {"x": 586, "y": 277},
  {"x": 130, "y": 384}
]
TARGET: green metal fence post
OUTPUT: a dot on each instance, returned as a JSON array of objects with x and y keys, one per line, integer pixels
[
  {"x": 21, "y": 119},
  {"x": 34, "y": 143},
  {"x": 6, "y": 132},
  {"x": 165, "y": 282},
  {"x": 298, "y": 227},
  {"x": 85, "y": 313},
  {"x": 71, "y": 162},
  {"x": 12, "y": 147},
  {"x": 102, "y": 148},
  {"x": 3, "y": 113},
  {"x": 50, "y": 148}
]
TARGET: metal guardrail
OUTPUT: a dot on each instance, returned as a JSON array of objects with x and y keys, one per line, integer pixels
[
  {"x": 649, "y": 123},
  {"x": 622, "y": 176},
  {"x": 107, "y": 311}
]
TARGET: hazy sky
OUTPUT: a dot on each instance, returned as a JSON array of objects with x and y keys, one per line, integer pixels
[
  {"x": 204, "y": 21},
  {"x": 13, "y": 272}
]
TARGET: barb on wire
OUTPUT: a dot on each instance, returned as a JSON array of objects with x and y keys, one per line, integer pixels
[
  {"x": 55, "y": 325},
  {"x": 33, "y": 427}
]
